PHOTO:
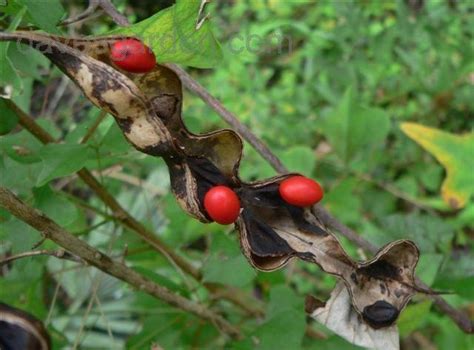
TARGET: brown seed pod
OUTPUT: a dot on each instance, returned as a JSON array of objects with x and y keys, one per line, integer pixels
[{"x": 148, "y": 107}]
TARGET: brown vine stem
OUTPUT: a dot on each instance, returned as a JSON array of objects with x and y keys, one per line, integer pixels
[
  {"x": 94, "y": 257},
  {"x": 250, "y": 305},
  {"x": 121, "y": 214},
  {"x": 459, "y": 317}
]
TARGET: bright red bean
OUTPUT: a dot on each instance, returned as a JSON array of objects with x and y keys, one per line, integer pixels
[
  {"x": 133, "y": 56},
  {"x": 300, "y": 191},
  {"x": 222, "y": 205}
]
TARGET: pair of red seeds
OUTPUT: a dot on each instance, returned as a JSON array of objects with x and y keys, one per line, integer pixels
[{"x": 223, "y": 205}]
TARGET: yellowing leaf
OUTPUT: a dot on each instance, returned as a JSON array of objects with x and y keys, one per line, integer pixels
[{"x": 455, "y": 153}]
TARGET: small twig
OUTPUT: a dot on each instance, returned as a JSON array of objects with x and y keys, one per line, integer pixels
[
  {"x": 60, "y": 254},
  {"x": 94, "y": 5},
  {"x": 83, "y": 15},
  {"x": 37, "y": 244},
  {"x": 53, "y": 303},
  {"x": 202, "y": 18},
  {"x": 94, "y": 257},
  {"x": 60, "y": 90},
  {"x": 114, "y": 172},
  {"x": 95, "y": 284},
  {"x": 394, "y": 191},
  {"x": 116, "y": 16},
  {"x": 94, "y": 127},
  {"x": 460, "y": 318}
]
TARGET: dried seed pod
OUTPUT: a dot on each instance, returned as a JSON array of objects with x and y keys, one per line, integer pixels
[{"x": 147, "y": 107}]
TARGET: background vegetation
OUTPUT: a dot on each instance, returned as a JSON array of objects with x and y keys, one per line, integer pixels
[{"x": 326, "y": 85}]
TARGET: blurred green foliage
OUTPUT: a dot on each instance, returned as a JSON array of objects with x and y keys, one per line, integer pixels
[{"x": 326, "y": 85}]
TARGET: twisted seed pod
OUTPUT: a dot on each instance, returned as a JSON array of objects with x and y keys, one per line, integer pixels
[{"x": 147, "y": 107}]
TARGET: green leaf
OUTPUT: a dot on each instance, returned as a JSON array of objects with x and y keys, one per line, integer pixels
[
  {"x": 43, "y": 14},
  {"x": 353, "y": 130},
  {"x": 343, "y": 202},
  {"x": 455, "y": 153},
  {"x": 114, "y": 142},
  {"x": 60, "y": 160},
  {"x": 460, "y": 286},
  {"x": 285, "y": 324},
  {"x": 17, "y": 236},
  {"x": 283, "y": 299},
  {"x": 299, "y": 159},
  {"x": 428, "y": 267},
  {"x": 226, "y": 265},
  {"x": 173, "y": 36},
  {"x": 413, "y": 317},
  {"x": 58, "y": 208},
  {"x": 457, "y": 274},
  {"x": 23, "y": 288},
  {"x": 332, "y": 343},
  {"x": 164, "y": 328},
  {"x": 282, "y": 332},
  {"x": 430, "y": 233},
  {"x": 18, "y": 177},
  {"x": 8, "y": 73},
  {"x": 161, "y": 280},
  {"x": 21, "y": 146},
  {"x": 8, "y": 119}
]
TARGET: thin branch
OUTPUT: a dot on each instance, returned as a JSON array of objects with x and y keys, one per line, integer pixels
[
  {"x": 83, "y": 15},
  {"x": 120, "y": 213},
  {"x": 94, "y": 5},
  {"x": 248, "y": 303},
  {"x": 60, "y": 254},
  {"x": 116, "y": 16},
  {"x": 228, "y": 117},
  {"x": 94, "y": 127},
  {"x": 114, "y": 172},
  {"x": 459, "y": 317},
  {"x": 94, "y": 257},
  {"x": 394, "y": 191},
  {"x": 202, "y": 18}
]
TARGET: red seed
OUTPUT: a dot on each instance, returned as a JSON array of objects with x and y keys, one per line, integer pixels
[
  {"x": 222, "y": 205},
  {"x": 300, "y": 191},
  {"x": 133, "y": 56}
]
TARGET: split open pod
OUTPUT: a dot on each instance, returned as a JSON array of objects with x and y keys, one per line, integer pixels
[{"x": 148, "y": 107}]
